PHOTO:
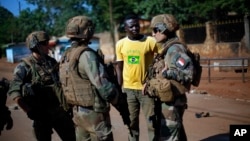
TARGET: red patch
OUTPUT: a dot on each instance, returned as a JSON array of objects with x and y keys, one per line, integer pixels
[{"x": 181, "y": 61}]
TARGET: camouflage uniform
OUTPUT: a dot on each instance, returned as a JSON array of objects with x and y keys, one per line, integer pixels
[
  {"x": 178, "y": 67},
  {"x": 92, "y": 122},
  {"x": 5, "y": 118},
  {"x": 172, "y": 112},
  {"x": 36, "y": 83}
]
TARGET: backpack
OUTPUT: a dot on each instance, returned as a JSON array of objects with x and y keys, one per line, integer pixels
[{"x": 197, "y": 71}]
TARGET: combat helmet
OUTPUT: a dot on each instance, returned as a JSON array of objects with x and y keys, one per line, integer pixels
[
  {"x": 35, "y": 38},
  {"x": 81, "y": 27},
  {"x": 165, "y": 22}
]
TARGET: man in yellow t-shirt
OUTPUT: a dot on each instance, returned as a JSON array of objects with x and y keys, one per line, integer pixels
[{"x": 134, "y": 54}]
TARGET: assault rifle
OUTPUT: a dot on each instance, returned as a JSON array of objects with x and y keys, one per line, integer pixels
[{"x": 122, "y": 106}]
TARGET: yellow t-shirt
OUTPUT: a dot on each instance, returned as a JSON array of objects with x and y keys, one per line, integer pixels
[{"x": 136, "y": 55}]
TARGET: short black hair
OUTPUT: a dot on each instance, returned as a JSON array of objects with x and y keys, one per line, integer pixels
[{"x": 131, "y": 16}]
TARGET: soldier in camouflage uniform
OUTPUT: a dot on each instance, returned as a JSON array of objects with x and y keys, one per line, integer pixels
[
  {"x": 93, "y": 120},
  {"x": 5, "y": 114},
  {"x": 36, "y": 89},
  {"x": 178, "y": 69}
]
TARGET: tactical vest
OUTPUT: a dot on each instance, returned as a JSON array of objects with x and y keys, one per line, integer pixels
[
  {"x": 41, "y": 75},
  {"x": 42, "y": 85},
  {"x": 77, "y": 90},
  {"x": 163, "y": 88},
  {"x": 195, "y": 58}
]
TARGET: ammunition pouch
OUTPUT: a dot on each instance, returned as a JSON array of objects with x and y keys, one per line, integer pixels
[
  {"x": 79, "y": 92},
  {"x": 161, "y": 88},
  {"x": 166, "y": 90},
  {"x": 27, "y": 90},
  {"x": 29, "y": 95}
]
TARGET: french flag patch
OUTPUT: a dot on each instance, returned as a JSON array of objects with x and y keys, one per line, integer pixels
[{"x": 181, "y": 61}]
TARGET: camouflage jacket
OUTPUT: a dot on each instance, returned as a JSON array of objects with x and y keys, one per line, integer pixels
[
  {"x": 38, "y": 74},
  {"x": 178, "y": 65}
]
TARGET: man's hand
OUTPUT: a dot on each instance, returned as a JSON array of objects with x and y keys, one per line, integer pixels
[{"x": 144, "y": 89}]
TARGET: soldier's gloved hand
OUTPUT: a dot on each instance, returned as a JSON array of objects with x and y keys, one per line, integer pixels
[
  {"x": 6, "y": 120},
  {"x": 115, "y": 99},
  {"x": 169, "y": 74}
]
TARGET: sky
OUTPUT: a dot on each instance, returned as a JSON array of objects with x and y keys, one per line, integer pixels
[{"x": 13, "y": 6}]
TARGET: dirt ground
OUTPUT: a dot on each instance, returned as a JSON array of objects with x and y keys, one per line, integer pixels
[
  {"x": 226, "y": 84},
  {"x": 215, "y": 128}
]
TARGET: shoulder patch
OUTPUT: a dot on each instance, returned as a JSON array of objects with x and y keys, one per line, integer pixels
[{"x": 180, "y": 62}]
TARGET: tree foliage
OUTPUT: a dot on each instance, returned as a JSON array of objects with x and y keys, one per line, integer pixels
[
  {"x": 6, "y": 25},
  {"x": 52, "y": 15}
]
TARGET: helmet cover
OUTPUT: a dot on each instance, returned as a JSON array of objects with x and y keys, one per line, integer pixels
[
  {"x": 165, "y": 22},
  {"x": 80, "y": 27},
  {"x": 35, "y": 38}
]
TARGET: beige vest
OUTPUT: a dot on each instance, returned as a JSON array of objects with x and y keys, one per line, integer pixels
[{"x": 78, "y": 91}]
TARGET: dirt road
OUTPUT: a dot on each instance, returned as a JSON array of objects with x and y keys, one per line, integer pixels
[
  {"x": 226, "y": 100},
  {"x": 223, "y": 113}
]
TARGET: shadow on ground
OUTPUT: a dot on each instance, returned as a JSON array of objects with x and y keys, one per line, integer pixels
[{"x": 219, "y": 137}]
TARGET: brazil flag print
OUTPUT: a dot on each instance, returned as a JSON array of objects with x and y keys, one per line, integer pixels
[{"x": 133, "y": 59}]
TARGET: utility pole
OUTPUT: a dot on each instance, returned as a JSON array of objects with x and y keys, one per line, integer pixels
[
  {"x": 247, "y": 30},
  {"x": 111, "y": 22},
  {"x": 19, "y": 6}
]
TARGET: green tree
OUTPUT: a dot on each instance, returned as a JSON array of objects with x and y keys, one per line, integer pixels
[
  {"x": 109, "y": 14},
  {"x": 218, "y": 9},
  {"x": 7, "y": 21},
  {"x": 58, "y": 12},
  {"x": 30, "y": 21},
  {"x": 193, "y": 11},
  {"x": 52, "y": 15}
]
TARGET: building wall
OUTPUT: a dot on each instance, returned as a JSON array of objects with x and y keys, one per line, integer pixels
[{"x": 15, "y": 52}]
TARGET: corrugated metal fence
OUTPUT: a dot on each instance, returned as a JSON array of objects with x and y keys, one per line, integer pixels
[{"x": 225, "y": 31}]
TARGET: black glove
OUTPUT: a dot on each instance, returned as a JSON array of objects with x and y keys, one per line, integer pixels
[
  {"x": 169, "y": 74},
  {"x": 34, "y": 114},
  {"x": 6, "y": 120}
]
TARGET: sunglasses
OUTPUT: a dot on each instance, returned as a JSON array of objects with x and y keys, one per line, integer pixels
[
  {"x": 44, "y": 43},
  {"x": 156, "y": 30}
]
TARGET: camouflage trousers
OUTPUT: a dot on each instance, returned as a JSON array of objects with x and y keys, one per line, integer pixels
[
  {"x": 136, "y": 101},
  {"x": 171, "y": 128},
  {"x": 57, "y": 119},
  {"x": 91, "y": 125}
]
